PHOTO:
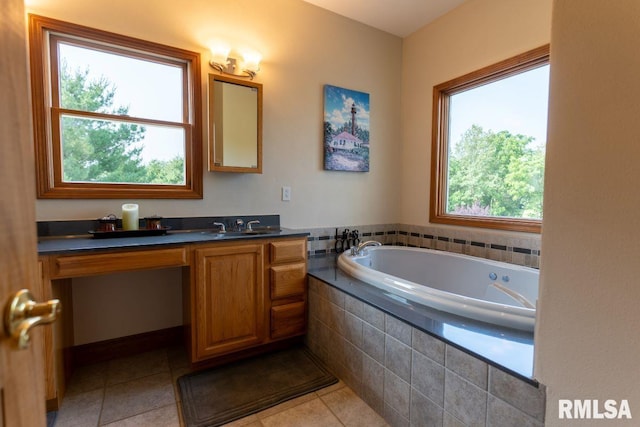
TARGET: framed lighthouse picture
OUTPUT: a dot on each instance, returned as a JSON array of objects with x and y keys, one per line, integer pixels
[{"x": 346, "y": 129}]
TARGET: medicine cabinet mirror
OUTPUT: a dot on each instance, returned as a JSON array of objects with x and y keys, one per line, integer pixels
[{"x": 235, "y": 125}]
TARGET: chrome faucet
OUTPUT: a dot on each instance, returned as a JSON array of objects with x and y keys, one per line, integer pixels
[
  {"x": 221, "y": 226},
  {"x": 238, "y": 224},
  {"x": 359, "y": 249},
  {"x": 250, "y": 223}
]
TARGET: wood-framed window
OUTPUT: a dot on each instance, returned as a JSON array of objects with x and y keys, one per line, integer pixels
[
  {"x": 113, "y": 116},
  {"x": 488, "y": 144}
]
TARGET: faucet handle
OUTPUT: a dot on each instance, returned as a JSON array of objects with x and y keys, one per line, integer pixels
[
  {"x": 222, "y": 227},
  {"x": 250, "y": 223}
]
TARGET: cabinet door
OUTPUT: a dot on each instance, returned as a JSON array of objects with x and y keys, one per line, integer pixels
[{"x": 230, "y": 299}]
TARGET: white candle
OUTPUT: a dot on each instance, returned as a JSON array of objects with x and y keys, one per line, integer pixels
[{"x": 129, "y": 216}]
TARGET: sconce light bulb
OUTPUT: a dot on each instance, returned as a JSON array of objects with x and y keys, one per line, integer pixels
[
  {"x": 252, "y": 61},
  {"x": 220, "y": 53}
]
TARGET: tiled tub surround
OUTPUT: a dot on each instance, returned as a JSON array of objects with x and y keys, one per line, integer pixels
[
  {"x": 409, "y": 376},
  {"x": 505, "y": 348},
  {"x": 484, "y": 244}
]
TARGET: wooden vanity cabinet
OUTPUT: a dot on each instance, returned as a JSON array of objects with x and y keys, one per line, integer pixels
[
  {"x": 237, "y": 295},
  {"x": 229, "y": 299},
  {"x": 54, "y": 339},
  {"x": 244, "y": 295},
  {"x": 288, "y": 288}
]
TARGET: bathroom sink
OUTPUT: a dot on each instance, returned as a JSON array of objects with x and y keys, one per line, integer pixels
[
  {"x": 265, "y": 230},
  {"x": 255, "y": 232}
]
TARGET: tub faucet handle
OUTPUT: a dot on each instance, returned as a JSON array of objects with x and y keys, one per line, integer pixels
[{"x": 358, "y": 250}]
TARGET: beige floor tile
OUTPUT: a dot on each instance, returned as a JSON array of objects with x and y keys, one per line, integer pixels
[
  {"x": 331, "y": 388},
  {"x": 138, "y": 366},
  {"x": 252, "y": 424},
  {"x": 177, "y": 373},
  {"x": 141, "y": 391},
  {"x": 87, "y": 378},
  {"x": 313, "y": 413},
  {"x": 80, "y": 410},
  {"x": 251, "y": 420},
  {"x": 135, "y": 397},
  {"x": 178, "y": 357},
  {"x": 166, "y": 416},
  {"x": 351, "y": 410},
  {"x": 286, "y": 405},
  {"x": 179, "y": 405}
]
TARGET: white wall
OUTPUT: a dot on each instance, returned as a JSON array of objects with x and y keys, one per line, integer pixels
[
  {"x": 122, "y": 304},
  {"x": 304, "y": 47},
  {"x": 474, "y": 35},
  {"x": 587, "y": 338}
]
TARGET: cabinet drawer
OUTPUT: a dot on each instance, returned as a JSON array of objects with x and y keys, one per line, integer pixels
[
  {"x": 288, "y": 320},
  {"x": 288, "y": 251},
  {"x": 87, "y": 265},
  {"x": 288, "y": 280}
]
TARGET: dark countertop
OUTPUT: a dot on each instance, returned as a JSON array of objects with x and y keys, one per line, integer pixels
[
  {"x": 58, "y": 237},
  {"x": 75, "y": 243},
  {"x": 508, "y": 349}
]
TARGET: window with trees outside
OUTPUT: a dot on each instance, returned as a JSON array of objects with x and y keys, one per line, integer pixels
[
  {"x": 488, "y": 145},
  {"x": 114, "y": 116}
]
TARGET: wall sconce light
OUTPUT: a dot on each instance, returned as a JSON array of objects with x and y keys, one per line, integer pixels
[{"x": 247, "y": 68}]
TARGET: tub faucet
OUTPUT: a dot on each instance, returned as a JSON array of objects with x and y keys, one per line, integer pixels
[{"x": 358, "y": 250}]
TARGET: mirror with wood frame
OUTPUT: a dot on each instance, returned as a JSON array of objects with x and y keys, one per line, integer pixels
[{"x": 235, "y": 125}]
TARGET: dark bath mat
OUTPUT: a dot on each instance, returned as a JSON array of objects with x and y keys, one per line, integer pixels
[{"x": 226, "y": 393}]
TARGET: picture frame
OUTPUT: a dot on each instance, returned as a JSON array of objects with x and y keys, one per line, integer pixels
[{"x": 346, "y": 129}]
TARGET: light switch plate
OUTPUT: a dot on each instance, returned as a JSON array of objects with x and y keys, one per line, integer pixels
[{"x": 286, "y": 193}]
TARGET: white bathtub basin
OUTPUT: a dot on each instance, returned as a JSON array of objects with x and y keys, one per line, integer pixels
[{"x": 477, "y": 288}]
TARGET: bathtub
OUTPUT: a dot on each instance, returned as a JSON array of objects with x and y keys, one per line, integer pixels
[{"x": 490, "y": 291}]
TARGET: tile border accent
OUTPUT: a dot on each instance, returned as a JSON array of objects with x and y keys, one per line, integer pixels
[{"x": 520, "y": 250}]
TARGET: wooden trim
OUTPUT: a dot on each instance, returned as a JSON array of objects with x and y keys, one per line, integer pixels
[
  {"x": 286, "y": 251},
  {"x": 116, "y": 118},
  {"x": 288, "y": 320},
  {"x": 246, "y": 353},
  {"x": 212, "y": 335},
  {"x": 211, "y": 143},
  {"x": 439, "y": 148},
  {"x": 288, "y": 280},
  {"x": 526, "y": 61},
  {"x": 62, "y": 340},
  {"x": 46, "y": 127},
  {"x": 64, "y": 266},
  {"x": 126, "y": 346}
]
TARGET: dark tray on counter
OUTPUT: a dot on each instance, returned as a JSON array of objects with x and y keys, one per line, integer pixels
[{"x": 128, "y": 233}]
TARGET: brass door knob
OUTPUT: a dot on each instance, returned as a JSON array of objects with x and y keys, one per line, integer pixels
[{"x": 22, "y": 313}]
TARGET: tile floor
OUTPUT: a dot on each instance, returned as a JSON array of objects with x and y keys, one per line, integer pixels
[{"x": 141, "y": 391}]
